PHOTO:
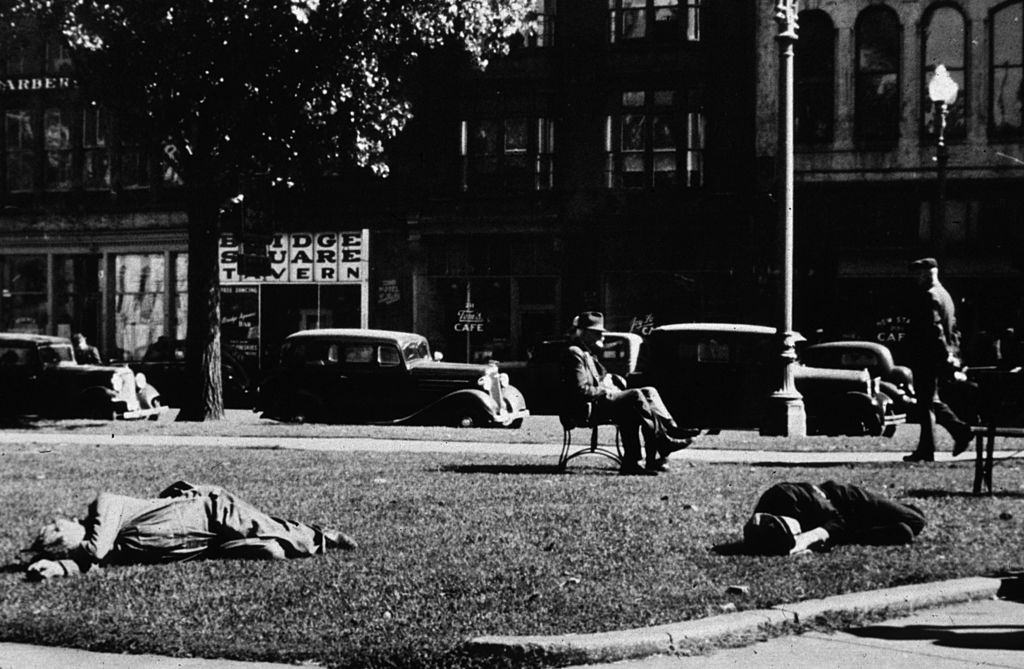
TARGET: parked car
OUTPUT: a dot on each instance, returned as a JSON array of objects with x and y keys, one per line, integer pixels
[
  {"x": 719, "y": 375},
  {"x": 39, "y": 376},
  {"x": 539, "y": 377},
  {"x": 381, "y": 376},
  {"x": 896, "y": 381},
  {"x": 164, "y": 365}
]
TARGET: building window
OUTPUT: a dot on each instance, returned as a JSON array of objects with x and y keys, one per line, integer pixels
[
  {"x": 657, "y": 20},
  {"x": 58, "y": 58},
  {"x": 19, "y": 135},
  {"x": 95, "y": 154},
  {"x": 815, "y": 79},
  {"x": 23, "y": 304},
  {"x": 1007, "y": 25},
  {"x": 57, "y": 144},
  {"x": 643, "y": 142},
  {"x": 20, "y": 59},
  {"x": 877, "y": 103},
  {"x": 507, "y": 154},
  {"x": 944, "y": 42},
  {"x": 541, "y": 32},
  {"x": 134, "y": 167}
]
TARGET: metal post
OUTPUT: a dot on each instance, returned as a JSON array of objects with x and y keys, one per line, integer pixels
[
  {"x": 941, "y": 160},
  {"x": 785, "y": 415}
]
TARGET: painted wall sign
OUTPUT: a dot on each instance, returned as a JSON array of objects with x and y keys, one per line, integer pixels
[
  {"x": 304, "y": 257},
  {"x": 19, "y": 84}
]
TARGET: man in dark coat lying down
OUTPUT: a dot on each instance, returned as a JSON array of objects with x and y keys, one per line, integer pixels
[
  {"x": 794, "y": 517},
  {"x": 185, "y": 522}
]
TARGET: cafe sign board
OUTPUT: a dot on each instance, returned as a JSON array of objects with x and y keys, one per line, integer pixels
[{"x": 304, "y": 257}]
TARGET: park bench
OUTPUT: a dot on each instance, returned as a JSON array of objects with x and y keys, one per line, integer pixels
[{"x": 1001, "y": 414}]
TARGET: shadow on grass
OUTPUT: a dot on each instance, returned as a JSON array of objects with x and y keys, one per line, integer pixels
[
  {"x": 734, "y": 548},
  {"x": 523, "y": 469},
  {"x": 806, "y": 465},
  {"x": 17, "y": 423},
  {"x": 13, "y": 568},
  {"x": 994, "y": 637},
  {"x": 928, "y": 493}
]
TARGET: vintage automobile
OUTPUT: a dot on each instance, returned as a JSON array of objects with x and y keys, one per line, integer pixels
[
  {"x": 164, "y": 365},
  {"x": 381, "y": 376},
  {"x": 39, "y": 376},
  {"x": 539, "y": 378},
  {"x": 717, "y": 376},
  {"x": 896, "y": 381}
]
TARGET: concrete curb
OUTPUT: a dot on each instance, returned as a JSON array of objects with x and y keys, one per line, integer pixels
[{"x": 665, "y": 639}]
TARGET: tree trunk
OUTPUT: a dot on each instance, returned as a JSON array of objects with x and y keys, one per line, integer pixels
[{"x": 203, "y": 397}]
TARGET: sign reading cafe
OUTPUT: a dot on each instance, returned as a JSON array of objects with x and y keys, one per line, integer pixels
[{"x": 304, "y": 257}]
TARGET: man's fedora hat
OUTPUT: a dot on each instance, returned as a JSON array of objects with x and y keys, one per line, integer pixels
[
  {"x": 771, "y": 534},
  {"x": 590, "y": 320},
  {"x": 924, "y": 263}
]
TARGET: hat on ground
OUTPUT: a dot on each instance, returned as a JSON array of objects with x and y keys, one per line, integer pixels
[
  {"x": 771, "y": 534},
  {"x": 590, "y": 320},
  {"x": 924, "y": 263}
]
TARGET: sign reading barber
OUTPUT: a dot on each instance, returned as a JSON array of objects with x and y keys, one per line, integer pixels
[{"x": 304, "y": 257}]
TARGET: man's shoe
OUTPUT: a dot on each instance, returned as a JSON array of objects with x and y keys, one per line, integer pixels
[
  {"x": 918, "y": 457},
  {"x": 963, "y": 443},
  {"x": 682, "y": 432},
  {"x": 659, "y": 465},
  {"x": 668, "y": 445},
  {"x": 635, "y": 470},
  {"x": 335, "y": 539}
]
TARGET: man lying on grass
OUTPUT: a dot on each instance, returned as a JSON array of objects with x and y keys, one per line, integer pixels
[
  {"x": 185, "y": 522},
  {"x": 793, "y": 518}
]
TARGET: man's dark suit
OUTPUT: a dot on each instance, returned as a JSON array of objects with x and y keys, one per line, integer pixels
[
  {"x": 931, "y": 341},
  {"x": 588, "y": 394}
]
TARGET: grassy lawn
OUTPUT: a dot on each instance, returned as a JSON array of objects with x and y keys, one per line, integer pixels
[{"x": 455, "y": 546}]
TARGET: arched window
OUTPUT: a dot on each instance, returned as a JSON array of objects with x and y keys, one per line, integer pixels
[
  {"x": 944, "y": 42},
  {"x": 1007, "y": 25},
  {"x": 877, "y": 95},
  {"x": 815, "y": 78}
]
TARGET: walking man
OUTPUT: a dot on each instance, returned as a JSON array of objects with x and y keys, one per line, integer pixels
[{"x": 932, "y": 345}]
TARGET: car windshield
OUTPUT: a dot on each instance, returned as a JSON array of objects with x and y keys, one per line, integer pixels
[
  {"x": 416, "y": 349},
  {"x": 57, "y": 355}
]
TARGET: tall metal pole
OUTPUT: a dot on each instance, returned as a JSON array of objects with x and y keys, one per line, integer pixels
[
  {"x": 941, "y": 160},
  {"x": 785, "y": 415}
]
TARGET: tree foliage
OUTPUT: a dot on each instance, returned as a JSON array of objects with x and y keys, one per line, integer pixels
[{"x": 282, "y": 89}]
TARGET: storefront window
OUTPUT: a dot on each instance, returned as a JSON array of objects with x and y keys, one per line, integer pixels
[
  {"x": 180, "y": 295},
  {"x": 77, "y": 296},
  {"x": 23, "y": 294},
  {"x": 139, "y": 303}
]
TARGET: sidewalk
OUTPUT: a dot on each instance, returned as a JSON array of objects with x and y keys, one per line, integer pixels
[
  {"x": 986, "y": 633},
  {"x": 356, "y": 444}
]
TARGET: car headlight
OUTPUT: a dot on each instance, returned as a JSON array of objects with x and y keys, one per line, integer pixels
[
  {"x": 484, "y": 382},
  {"x": 140, "y": 380},
  {"x": 503, "y": 379},
  {"x": 116, "y": 382}
]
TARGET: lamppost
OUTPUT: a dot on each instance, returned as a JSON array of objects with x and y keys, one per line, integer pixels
[
  {"x": 785, "y": 415},
  {"x": 942, "y": 91}
]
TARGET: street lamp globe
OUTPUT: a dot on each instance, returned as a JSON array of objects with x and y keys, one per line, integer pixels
[{"x": 942, "y": 87}]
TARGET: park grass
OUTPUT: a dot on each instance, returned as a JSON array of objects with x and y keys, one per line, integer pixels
[{"x": 455, "y": 546}]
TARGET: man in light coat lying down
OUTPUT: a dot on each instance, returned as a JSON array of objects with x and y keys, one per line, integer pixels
[{"x": 185, "y": 522}]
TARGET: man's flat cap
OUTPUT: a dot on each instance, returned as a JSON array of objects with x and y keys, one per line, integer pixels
[{"x": 924, "y": 263}]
